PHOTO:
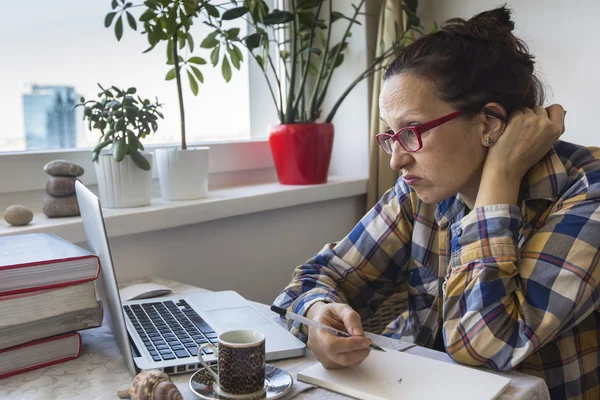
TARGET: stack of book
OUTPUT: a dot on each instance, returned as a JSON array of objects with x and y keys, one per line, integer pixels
[{"x": 47, "y": 294}]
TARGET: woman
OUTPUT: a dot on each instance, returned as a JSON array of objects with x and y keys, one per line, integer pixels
[{"x": 494, "y": 225}]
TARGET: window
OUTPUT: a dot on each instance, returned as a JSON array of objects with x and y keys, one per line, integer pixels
[{"x": 56, "y": 51}]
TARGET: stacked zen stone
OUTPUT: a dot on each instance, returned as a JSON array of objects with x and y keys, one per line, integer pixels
[{"x": 61, "y": 200}]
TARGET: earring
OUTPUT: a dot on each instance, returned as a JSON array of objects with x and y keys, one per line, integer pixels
[{"x": 489, "y": 141}]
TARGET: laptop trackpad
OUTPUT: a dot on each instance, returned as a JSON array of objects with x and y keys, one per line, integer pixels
[{"x": 238, "y": 318}]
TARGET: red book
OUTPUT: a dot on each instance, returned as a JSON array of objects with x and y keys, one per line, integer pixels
[
  {"x": 39, "y": 261},
  {"x": 39, "y": 354}
]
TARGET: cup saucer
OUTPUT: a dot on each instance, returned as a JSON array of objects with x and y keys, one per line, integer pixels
[{"x": 277, "y": 383}]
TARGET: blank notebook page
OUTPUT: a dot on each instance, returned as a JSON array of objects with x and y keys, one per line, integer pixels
[{"x": 396, "y": 375}]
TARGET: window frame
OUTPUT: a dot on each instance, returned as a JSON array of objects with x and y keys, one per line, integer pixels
[{"x": 23, "y": 170}]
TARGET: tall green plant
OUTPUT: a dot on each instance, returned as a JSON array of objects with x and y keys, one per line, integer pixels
[
  {"x": 167, "y": 21},
  {"x": 309, "y": 47}
]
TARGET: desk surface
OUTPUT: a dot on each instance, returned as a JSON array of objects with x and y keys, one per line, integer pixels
[{"x": 99, "y": 372}]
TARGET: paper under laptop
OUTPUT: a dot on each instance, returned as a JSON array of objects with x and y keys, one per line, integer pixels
[{"x": 396, "y": 375}]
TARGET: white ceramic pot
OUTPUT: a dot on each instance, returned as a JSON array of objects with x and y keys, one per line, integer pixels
[
  {"x": 123, "y": 184},
  {"x": 183, "y": 174}
]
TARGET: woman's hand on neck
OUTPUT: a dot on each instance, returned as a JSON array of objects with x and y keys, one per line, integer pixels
[{"x": 527, "y": 138}]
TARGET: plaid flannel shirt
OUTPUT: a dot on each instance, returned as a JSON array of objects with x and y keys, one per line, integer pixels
[{"x": 510, "y": 286}]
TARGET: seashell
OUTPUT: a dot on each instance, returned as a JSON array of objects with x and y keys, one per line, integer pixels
[{"x": 151, "y": 385}]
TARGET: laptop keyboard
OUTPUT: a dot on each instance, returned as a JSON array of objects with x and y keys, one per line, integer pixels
[{"x": 170, "y": 330}]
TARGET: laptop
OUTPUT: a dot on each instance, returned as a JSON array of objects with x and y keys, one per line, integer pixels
[{"x": 165, "y": 332}]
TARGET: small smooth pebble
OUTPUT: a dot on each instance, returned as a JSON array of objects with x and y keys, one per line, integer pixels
[
  {"x": 18, "y": 215},
  {"x": 63, "y": 168},
  {"x": 60, "y": 186},
  {"x": 56, "y": 207}
]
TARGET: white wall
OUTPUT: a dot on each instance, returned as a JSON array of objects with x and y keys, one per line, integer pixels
[
  {"x": 253, "y": 254},
  {"x": 564, "y": 38}
]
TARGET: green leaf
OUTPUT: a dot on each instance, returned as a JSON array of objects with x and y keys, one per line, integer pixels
[
  {"x": 147, "y": 16},
  {"x": 140, "y": 160},
  {"x": 235, "y": 60},
  {"x": 253, "y": 41},
  {"x": 214, "y": 56},
  {"x": 197, "y": 73},
  {"x": 212, "y": 10},
  {"x": 338, "y": 61},
  {"x": 193, "y": 83},
  {"x": 197, "y": 60},
  {"x": 170, "y": 75},
  {"x": 278, "y": 17},
  {"x": 307, "y": 20},
  {"x": 238, "y": 52},
  {"x": 260, "y": 61},
  {"x": 114, "y": 4},
  {"x": 131, "y": 90},
  {"x": 233, "y": 33},
  {"x": 338, "y": 15},
  {"x": 226, "y": 69},
  {"x": 234, "y": 13},
  {"x": 131, "y": 21},
  {"x": 133, "y": 142},
  {"x": 170, "y": 52},
  {"x": 190, "y": 41},
  {"x": 119, "y": 29},
  {"x": 149, "y": 49},
  {"x": 210, "y": 41},
  {"x": 308, "y": 4},
  {"x": 109, "y": 19},
  {"x": 120, "y": 149}
]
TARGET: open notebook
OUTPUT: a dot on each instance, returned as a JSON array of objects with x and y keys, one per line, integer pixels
[{"x": 396, "y": 375}]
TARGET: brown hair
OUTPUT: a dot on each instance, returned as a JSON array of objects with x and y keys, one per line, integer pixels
[{"x": 474, "y": 62}]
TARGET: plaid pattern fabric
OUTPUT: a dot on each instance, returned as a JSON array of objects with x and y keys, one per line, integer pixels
[{"x": 508, "y": 286}]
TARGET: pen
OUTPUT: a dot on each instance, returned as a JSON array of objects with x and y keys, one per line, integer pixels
[{"x": 314, "y": 324}]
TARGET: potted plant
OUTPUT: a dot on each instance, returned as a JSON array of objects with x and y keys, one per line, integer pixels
[
  {"x": 301, "y": 143},
  {"x": 124, "y": 173},
  {"x": 183, "y": 171}
]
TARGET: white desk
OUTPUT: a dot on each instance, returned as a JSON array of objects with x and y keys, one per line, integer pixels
[{"x": 99, "y": 372}]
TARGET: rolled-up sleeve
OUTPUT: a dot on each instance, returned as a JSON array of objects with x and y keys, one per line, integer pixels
[
  {"x": 362, "y": 269},
  {"x": 503, "y": 303}
]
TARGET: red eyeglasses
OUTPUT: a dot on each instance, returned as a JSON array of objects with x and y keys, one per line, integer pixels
[{"x": 410, "y": 137}]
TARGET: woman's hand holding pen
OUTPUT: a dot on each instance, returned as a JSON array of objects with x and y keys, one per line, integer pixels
[{"x": 334, "y": 351}]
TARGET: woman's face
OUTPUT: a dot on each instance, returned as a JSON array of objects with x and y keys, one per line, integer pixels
[{"x": 452, "y": 155}]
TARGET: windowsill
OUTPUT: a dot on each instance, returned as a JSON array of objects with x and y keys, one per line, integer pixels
[{"x": 221, "y": 202}]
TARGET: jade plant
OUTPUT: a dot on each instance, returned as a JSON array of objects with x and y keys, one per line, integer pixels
[{"x": 123, "y": 120}]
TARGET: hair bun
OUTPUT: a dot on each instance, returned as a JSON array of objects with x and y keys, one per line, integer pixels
[{"x": 488, "y": 25}]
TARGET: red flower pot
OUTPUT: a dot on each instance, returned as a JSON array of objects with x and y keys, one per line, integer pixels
[{"x": 301, "y": 152}]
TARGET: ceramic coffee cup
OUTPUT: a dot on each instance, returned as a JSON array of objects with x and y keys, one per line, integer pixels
[{"x": 241, "y": 360}]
